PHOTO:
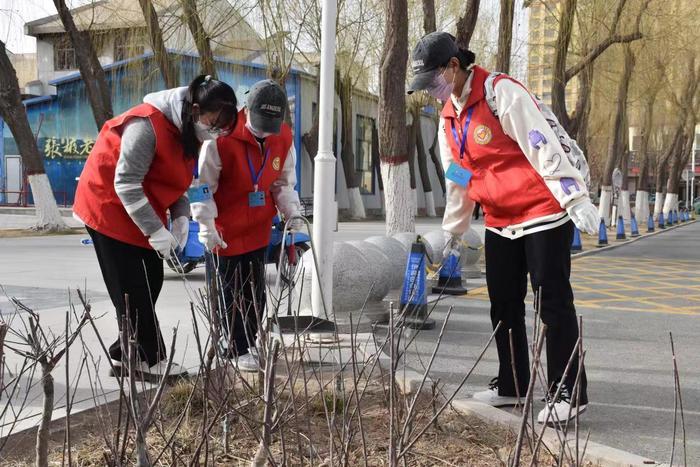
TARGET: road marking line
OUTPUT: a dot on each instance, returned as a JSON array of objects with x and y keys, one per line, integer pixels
[{"x": 642, "y": 407}]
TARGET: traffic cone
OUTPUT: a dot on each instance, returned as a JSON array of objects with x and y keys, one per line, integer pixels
[
  {"x": 450, "y": 277},
  {"x": 414, "y": 298},
  {"x": 620, "y": 229},
  {"x": 602, "y": 234},
  {"x": 634, "y": 228},
  {"x": 682, "y": 216},
  {"x": 672, "y": 219},
  {"x": 650, "y": 223},
  {"x": 675, "y": 216},
  {"x": 576, "y": 243},
  {"x": 661, "y": 220}
]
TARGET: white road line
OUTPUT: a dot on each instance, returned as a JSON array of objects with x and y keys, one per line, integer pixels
[{"x": 643, "y": 407}]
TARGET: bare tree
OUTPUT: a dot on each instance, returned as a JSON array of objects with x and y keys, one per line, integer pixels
[
  {"x": 392, "y": 119},
  {"x": 155, "y": 35},
  {"x": 618, "y": 140},
  {"x": 13, "y": 112},
  {"x": 505, "y": 35},
  {"x": 199, "y": 34},
  {"x": 467, "y": 23},
  {"x": 90, "y": 68},
  {"x": 562, "y": 75},
  {"x": 645, "y": 147}
]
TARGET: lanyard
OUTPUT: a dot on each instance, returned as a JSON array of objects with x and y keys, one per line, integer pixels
[
  {"x": 255, "y": 177},
  {"x": 463, "y": 143}
]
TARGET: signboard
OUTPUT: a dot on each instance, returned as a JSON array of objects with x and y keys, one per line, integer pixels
[{"x": 66, "y": 148}]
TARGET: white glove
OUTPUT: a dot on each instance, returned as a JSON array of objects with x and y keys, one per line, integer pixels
[
  {"x": 209, "y": 237},
  {"x": 453, "y": 244},
  {"x": 585, "y": 216},
  {"x": 163, "y": 242},
  {"x": 180, "y": 229}
]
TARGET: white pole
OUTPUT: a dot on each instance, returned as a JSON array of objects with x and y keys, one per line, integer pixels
[{"x": 324, "y": 171}]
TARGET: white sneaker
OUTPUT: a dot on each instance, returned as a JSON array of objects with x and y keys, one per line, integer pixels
[
  {"x": 559, "y": 411},
  {"x": 248, "y": 362},
  {"x": 491, "y": 397}
]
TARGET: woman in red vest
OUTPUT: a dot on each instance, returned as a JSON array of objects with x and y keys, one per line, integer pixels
[
  {"x": 251, "y": 173},
  {"x": 139, "y": 169},
  {"x": 510, "y": 161}
]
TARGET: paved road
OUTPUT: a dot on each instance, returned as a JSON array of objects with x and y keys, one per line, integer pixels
[{"x": 630, "y": 299}]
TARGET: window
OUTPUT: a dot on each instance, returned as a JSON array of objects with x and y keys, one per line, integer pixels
[
  {"x": 63, "y": 54},
  {"x": 363, "y": 153},
  {"x": 127, "y": 44}
]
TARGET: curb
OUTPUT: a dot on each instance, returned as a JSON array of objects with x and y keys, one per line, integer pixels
[
  {"x": 31, "y": 211},
  {"x": 630, "y": 241},
  {"x": 596, "y": 453}
]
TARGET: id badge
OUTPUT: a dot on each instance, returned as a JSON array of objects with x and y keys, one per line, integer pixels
[
  {"x": 256, "y": 199},
  {"x": 458, "y": 174},
  {"x": 199, "y": 193}
]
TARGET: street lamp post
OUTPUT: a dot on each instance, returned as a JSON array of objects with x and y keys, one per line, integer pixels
[{"x": 324, "y": 172}]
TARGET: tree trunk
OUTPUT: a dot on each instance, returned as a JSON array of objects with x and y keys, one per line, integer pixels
[
  {"x": 467, "y": 23},
  {"x": 93, "y": 75},
  {"x": 201, "y": 39},
  {"x": 13, "y": 112},
  {"x": 422, "y": 159},
  {"x": 618, "y": 138},
  {"x": 347, "y": 155},
  {"x": 505, "y": 35},
  {"x": 641, "y": 200},
  {"x": 392, "y": 119},
  {"x": 155, "y": 35},
  {"x": 429, "y": 22},
  {"x": 578, "y": 126},
  {"x": 661, "y": 167},
  {"x": 42, "y": 433},
  {"x": 436, "y": 159},
  {"x": 561, "y": 50}
]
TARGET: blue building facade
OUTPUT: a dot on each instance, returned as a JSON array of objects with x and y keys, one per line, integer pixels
[{"x": 66, "y": 130}]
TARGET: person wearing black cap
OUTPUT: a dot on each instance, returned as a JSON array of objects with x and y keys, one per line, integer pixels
[
  {"x": 506, "y": 156},
  {"x": 250, "y": 174}
]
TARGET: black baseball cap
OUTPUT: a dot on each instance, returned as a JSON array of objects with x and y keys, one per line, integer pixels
[
  {"x": 266, "y": 104},
  {"x": 430, "y": 53}
]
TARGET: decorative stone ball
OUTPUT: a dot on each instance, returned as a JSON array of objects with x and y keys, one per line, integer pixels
[
  {"x": 352, "y": 278},
  {"x": 379, "y": 268},
  {"x": 471, "y": 248},
  {"x": 397, "y": 254},
  {"x": 436, "y": 240}
]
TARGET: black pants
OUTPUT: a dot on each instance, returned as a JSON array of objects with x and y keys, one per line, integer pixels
[
  {"x": 136, "y": 272},
  {"x": 546, "y": 257},
  {"x": 241, "y": 279}
]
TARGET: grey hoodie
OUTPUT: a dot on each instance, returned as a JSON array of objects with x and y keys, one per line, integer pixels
[{"x": 137, "y": 151}]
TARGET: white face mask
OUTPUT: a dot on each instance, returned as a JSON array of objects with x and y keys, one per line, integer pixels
[
  {"x": 204, "y": 131},
  {"x": 256, "y": 133},
  {"x": 440, "y": 89}
]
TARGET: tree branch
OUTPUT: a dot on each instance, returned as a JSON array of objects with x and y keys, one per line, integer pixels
[{"x": 599, "y": 49}]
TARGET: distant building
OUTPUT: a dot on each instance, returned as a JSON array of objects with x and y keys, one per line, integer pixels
[{"x": 543, "y": 26}]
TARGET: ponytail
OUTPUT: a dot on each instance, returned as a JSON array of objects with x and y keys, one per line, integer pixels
[{"x": 211, "y": 95}]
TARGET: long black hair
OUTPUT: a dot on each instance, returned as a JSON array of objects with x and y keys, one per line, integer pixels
[{"x": 211, "y": 95}]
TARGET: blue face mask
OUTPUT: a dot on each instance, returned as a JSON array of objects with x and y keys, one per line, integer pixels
[{"x": 440, "y": 89}]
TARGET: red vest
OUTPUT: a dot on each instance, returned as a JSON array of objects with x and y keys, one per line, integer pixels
[
  {"x": 170, "y": 174},
  {"x": 503, "y": 181},
  {"x": 242, "y": 227}
]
